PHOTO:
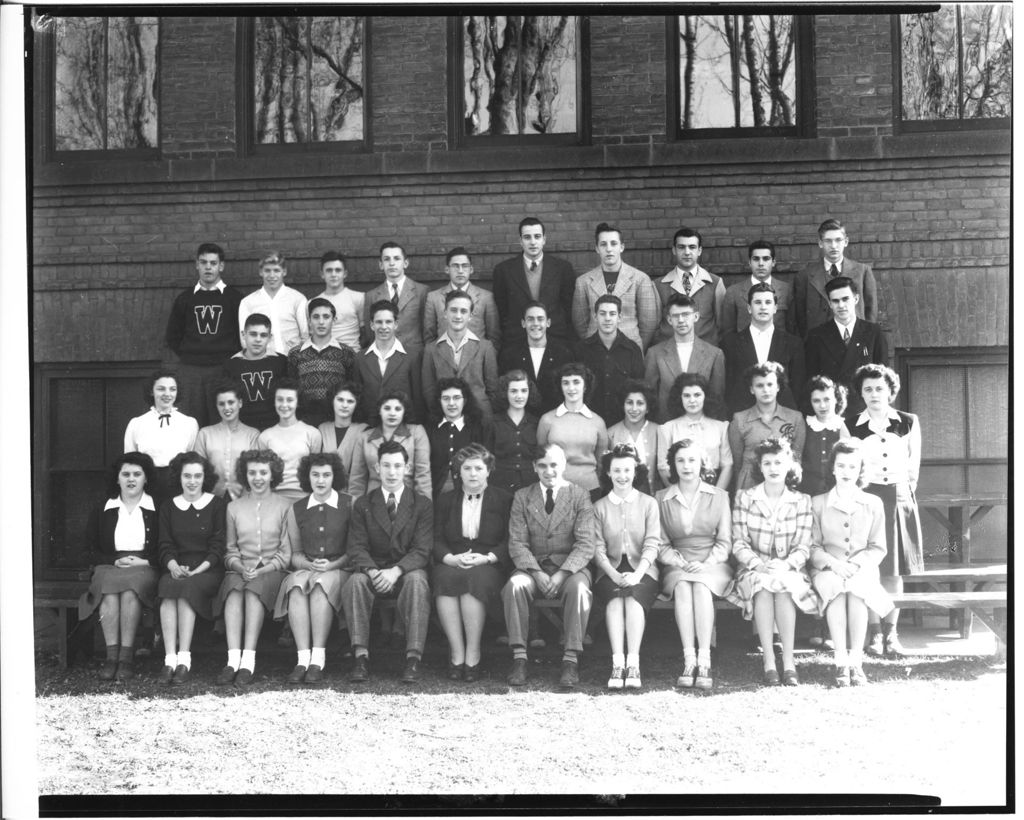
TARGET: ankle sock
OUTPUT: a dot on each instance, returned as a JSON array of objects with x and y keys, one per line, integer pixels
[
  {"x": 570, "y": 655},
  {"x": 112, "y": 652},
  {"x": 689, "y": 657},
  {"x": 841, "y": 657},
  {"x": 704, "y": 658},
  {"x": 234, "y": 658},
  {"x": 185, "y": 659},
  {"x": 318, "y": 656},
  {"x": 633, "y": 660},
  {"x": 519, "y": 653},
  {"x": 303, "y": 657},
  {"x": 248, "y": 660},
  {"x": 171, "y": 661},
  {"x": 618, "y": 659}
]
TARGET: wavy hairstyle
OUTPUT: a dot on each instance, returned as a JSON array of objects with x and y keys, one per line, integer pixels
[
  {"x": 707, "y": 475},
  {"x": 500, "y": 402},
  {"x": 640, "y": 480},
  {"x": 849, "y": 446},
  {"x": 210, "y": 477},
  {"x": 771, "y": 446},
  {"x": 825, "y": 385},
  {"x": 332, "y": 460},
  {"x": 470, "y": 409},
  {"x": 713, "y": 407},
  {"x": 876, "y": 371},
  {"x": 268, "y": 457},
  {"x": 135, "y": 458}
]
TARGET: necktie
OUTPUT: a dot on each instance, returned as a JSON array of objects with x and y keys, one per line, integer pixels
[
  {"x": 165, "y": 417},
  {"x": 533, "y": 265},
  {"x": 833, "y": 271},
  {"x": 549, "y": 505},
  {"x": 394, "y": 294},
  {"x": 846, "y": 335},
  {"x": 392, "y": 506},
  {"x": 687, "y": 281}
]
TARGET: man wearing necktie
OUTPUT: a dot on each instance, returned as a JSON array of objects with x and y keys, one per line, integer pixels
[
  {"x": 689, "y": 278},
  {"x": 551, "y": 543},
  {"x": 483, "y": 321},
  {"x": 408, "y": 297},
  {"x": 390, "y": 539}
]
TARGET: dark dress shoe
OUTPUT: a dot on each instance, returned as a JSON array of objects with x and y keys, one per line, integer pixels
[
  {"x": 298, "y": 674},
  {"x": 360, "y": 670},
  {"x": 244, "y": 679},
  {"x": 455, "y": 670},
  {"x": 411, "y": 672},
  {"x": 790, "y": 678},
  {"x": 108, "y": 670},
  {"x": 470, "y": 673},
  {"x": 517, "y": 677},
  {"x": 226, "y": 676},
  {"x": 166, "y": 675},
  {"x": 771, "y": 677},
  {"x": 182, "y": 675},
  {"x": 570, "y": 675},
  {"x": 314, "y": 674},
  {"x": 125, "y": 671}
]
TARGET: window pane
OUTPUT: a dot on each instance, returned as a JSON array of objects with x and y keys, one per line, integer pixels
[
  {"x": 737, "y": 71},
  {"x": 987, "y": 42},
  {"x": 928, "y": 54},
  {"x": 79, "y": 86},
  {"x": 281, "y": 96},
  {"x": 548, "y": 61},
  {"x": 131, "y": 84},
  {"x": 988, "y": 396},
  {"x": 337, "y": 78},
  {"x": 77, "y": 416},
  {"x": 937, "y": 397}
]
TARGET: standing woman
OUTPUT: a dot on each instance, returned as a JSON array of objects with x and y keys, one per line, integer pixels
[
  {"x": 311, "y": 595},
  {"x": 577, "y": 429},
  {"x": 698, "y": 531},
  {"x": 192, "y": 539},
  {"x": 638, "y": 431},
  {"x": 765, "y": 419},
  {"x": 162, "y": 432},
  {"x": 515, "y": 431},
  {"x": 343, "y": 434},
  {"x": 462, "y": 424},
  {"x": 825, "y": 427},
  {"x": 470, "y": 558},
  {"x": 771, "y": 534},
  {"x": 627, "y": 537},
  {"x": 892, "y": 462},
  {"x": 121, "y": 539},
  {"x": 222, "y": 443},
  {"x": 696, "y": 415},
  {"x": 848, "y": 543},
  {"x": 290, "y": 438},
  {"x": 393, "y": 407},
  {"x": 260, "y": 535}
]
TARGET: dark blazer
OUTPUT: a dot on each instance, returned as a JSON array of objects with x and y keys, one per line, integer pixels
[
  {"x": 377, "y": 542},
  {"x": 99, "y": 536},
  {"x": 557, "y": 353},
  {"x": 402, "y": 373},
  {"x": 512, "y": 295},
  {"x": 662, "y": 369},
  {"x": 412, "y": 303},
  {"x": 446, "y": 441},
  {"x": 827, "y": 355},
  {"x": 786, "y": 349},
  {"x": 493, "y": 534},
  {"x": 810, "y": 302},
  {"x": 611, "y": 368}
]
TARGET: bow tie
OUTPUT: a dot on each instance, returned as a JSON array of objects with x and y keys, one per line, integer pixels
[{"x": 165, "y": 417}]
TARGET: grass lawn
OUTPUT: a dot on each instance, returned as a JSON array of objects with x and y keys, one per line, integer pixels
[{"x": 928, "y": 725}]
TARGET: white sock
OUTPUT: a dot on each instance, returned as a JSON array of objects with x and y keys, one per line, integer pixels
[
  {"x": 633, "y": 659},
  {"x": 689, "y": 656},
  {"x": 704, "y": 657},
  {"x": 856, "y": 657},
  {"x": 234, "y": 658},
  {"x": 842, "y": 658},
  {"x": 318, "y": 657},
  {"x": 248, "y": 660},
  {"x": 185, "y": 659},
  {"x": 303, "y": 657},
  {"x": 618, "y": 659},
  {"x": 171, "y": 661}
]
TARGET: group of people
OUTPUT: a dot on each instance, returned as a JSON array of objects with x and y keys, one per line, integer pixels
[{"x": 489, "y": 449}]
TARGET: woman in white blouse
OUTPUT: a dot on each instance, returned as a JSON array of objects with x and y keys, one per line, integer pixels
[
  {"x": 637, "y": 430},
  {"x": 694, "y": 410}
]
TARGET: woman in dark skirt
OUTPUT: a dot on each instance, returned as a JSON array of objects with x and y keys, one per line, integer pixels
[
  {"x": 192, "y": 537},
  {"x": 627, "y": 536},
  {"x": 470, "y": 557},
  {"x": 892, "y": 461},
  {"x": 463, "y": 425},
  {"x": 825, "y": 426},
  {"x": 311, "y": 595},
  {"x": 515, "y": 431},
  {"x": 121, "y": 538},
  {"x": 260, "y": 534}
]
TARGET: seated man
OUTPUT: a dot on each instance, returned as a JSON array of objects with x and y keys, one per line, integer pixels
[
  {"x": 390, "y": 538},
  {"x": 551, "y": 542}
]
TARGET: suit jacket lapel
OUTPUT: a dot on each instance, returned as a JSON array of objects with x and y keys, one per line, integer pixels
[
  {"x": 379, "y": 510},
  {"x": 748, "y": 353},
  {"x": 624, "y": 280},
  {"x": 390, "y": 368},
  {"x": 518, "y": 278},
  {"x": 699, "y": 356},
  {"x": 405, "y": 508}
]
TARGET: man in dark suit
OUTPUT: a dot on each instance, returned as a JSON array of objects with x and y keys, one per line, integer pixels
[
  {"x": 810, "y": 300},
  {"x": 390, "y": 540},
  {"x": 761, "y": 341},
  {"x": 612, "y": 358},
  {"x": 539, "y": 355},
  {"x": 550, "y": 542},
  {"x": 534, "y": 277},
  {"x": 409, "y": 297},
  {"x": 386, "y": 365},
  {"x": 845, "y": 342}
]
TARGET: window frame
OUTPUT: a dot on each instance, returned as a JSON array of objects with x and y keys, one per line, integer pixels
[
  {"x": 245, "y": 106},
  {"x": 902, "y": 126},
  {"x": 45, "y": 45},
  {"x": 458, "y": 138},
  {"x": 804, "y": 103}
]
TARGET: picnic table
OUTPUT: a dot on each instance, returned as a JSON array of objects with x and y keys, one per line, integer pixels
[
  {"x": 956, "y": 512},
  {"x": 961, "y": 579}
]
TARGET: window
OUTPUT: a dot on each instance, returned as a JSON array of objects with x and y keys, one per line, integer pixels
[
  {"x": 955, "y": 67},
  {"x": 307, "y": 84},
  {"x": 740, "y": 75},
  {"x": 517, "y": 79},
  {"x": 105, "y": 83}
]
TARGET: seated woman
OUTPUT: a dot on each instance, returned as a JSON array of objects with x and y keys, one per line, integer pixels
[
  {"x": 515, "y": 431},
  {"x": 825, "y": 426},
  {"x": 765, "y": 419},
  {"x": 343, "y": 434},
  {"x": 290, "y": 438},
  {"x": 574, "y": 427},
  {"x": 696, "y": 415},
  {"x": 389, "y": 424},
  {"x": 694, "y": 559},
  {"x": 847, "y": 544},
  {"x": 627, "y": 537},
  {"x": 638, "y": 431},
  {"x": 192, "y": 538},
  {"x": 311, "y": 595},
  {"x": 470, "y": 558},
  {"x": 462, "y": 424},
  {"x": 121, "y": 539},
  {"x": 771, "y": 538},
  {"x": 260, "y": 534}
]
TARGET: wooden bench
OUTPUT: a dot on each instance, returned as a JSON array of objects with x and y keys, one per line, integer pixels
[
  {"x": 960, "y": 579},
  {"x": 62, "y": 602}
]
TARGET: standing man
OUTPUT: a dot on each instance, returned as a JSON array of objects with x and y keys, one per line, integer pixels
[
  {"x": 408, "y": 297},
  {"x": 538, "y": 355},
  {"x": 386, "y": 365},
  {"x": 761, "y": 341},
  {"x": 810, "y": 300},
  {"x": 534, "y": 277},
  {"x": 389, "y": 544},
  {"x": 641, "y": 305},
  {"x": 202, "y": 330},
  {"x": 256, "y": 369},
  {"x": 684, "y": 352},
  {"x": 735, "y": 316},
  {"x": 349, "y": 305},
  {"x": 483, "y": 321},
  {"x": 285, "y": 306},
  {"x": 688, "y": 278},
  {"x": 319, "y": 364},
  {"x": 612, "y": 358},
  {"x": 550, "y": 542}
]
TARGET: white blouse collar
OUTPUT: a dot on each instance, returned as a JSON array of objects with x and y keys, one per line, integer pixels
[
  {"x": 629, "y": 498},
  {"x": 200, "y": 503},
  {"x": 146, "y": 502},
  {"x": 332, "y": 501},
  {"x": 819, "y": 427}
]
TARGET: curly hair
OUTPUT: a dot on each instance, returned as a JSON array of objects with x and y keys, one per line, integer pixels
[
  {"x": 332, "y": 460},
  {"x": 500, "y": 402},
  {"x": 876, "y": 371},
  {"x": 268, "y": 457},
  {"x": 470, "y": 408},
  {"x": 576, "y": 369},
  {"x": 849, "y": 446},
  {"x": 391, "y": 395},
  {"x": 713, "y": 407},
  {"x": 228, "y": 386},
  {"x": 765, "y": 369},
  {"x": 136, "y": 459},
  {"x": 163, "y": 373},
  {"x": 210, "y": 477},
  {"x": 707, "y": 475},
  {"x": 471, "y": 451},
  {"x": 825, "y": 385},
  {"x": 771, "y": 446},
  {"x": 353, "y": 387},
  {"x": 621, "y": 451},
  {"x": 641, "y": 387}
]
